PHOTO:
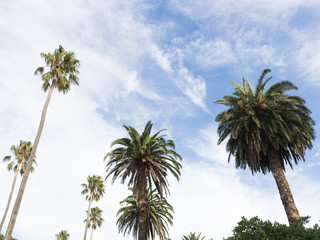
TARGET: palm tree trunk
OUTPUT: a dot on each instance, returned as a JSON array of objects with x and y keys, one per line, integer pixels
[
  {"x": 24, "y": 180},
  {"x": 91, "y": 233},
  {"x": 283, "y": 187},
  {"x": 87, "y": 222},
  {"x": 142, "y": 204},
  {"x": 10, "y": 196}
]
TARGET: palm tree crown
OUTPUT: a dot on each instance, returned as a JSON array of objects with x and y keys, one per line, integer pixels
[
  {"x": 63, "y": 69},
  {"x": 22, "y": 153},
  {"x": 145, "y": 152},
  {"x": 63, "y": 235},
  {"x": 159, "y": 215},
  {"x": 94, "y": 187},
  {"x": 262, "y": 119},
  {"x": 95, "y": 218},
  {"x": 193, "y": 236}
]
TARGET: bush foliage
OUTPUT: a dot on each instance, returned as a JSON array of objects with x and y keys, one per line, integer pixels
[{"x": 256, "y": 229}]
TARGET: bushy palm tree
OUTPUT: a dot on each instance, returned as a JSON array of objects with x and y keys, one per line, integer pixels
[
  {"x": 63, "y": 235},
  {"x": 267, "y": 129},
  {"x": 95, "y": 219},
  {"x": 21, "y": 154},
  {"x": 63, "y": 67},
  {"x": 143, "y": 159},
  {"x": 159, "y": 215},
  {"x": 94, "y": 190},
  {"x": 193, "y": 236}
]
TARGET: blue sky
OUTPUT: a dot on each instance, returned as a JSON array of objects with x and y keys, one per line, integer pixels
[{"x": 164, "y": 61}]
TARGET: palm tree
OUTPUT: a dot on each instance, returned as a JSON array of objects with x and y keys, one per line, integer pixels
[
  {"x": 95, "y": 219},
  {"x": 22, "y": 154},
  {"x": 143, "y": 159},
  {"x": 193, "y": 236},
  {"x": 94, "y": 190},
  {"x": 62, "y": 73},
  {"x": 159, "y": 215},
  {"x": 63, "y": 235},
  {"x": 267, "y": 129}
]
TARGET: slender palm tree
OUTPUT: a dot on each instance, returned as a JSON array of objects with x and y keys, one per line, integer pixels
[
  {"x": 21, "y": 153},
  {"x": 94, "y": 190},
  {"x": 63, "y": 235},
  {"x": 193, "y": 236},
  {"x": 63, "y": 67},
  {"x": 95, "y": 219},
  {"x": 267, "y": 129},
  {"x": 143, "y": 159},
  {"x": 159, "y": 215}
]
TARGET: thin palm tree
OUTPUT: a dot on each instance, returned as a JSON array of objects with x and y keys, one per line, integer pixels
[
  {"x": 159, "y": 215},
  {"x": 63, "y": 235},
  {"x": 143, "y": 159},
  {"x": 63, "y": 67},
  {"x": 193, "y": 236},
  {"x": 21, "y": 153},
  {"x": 94, "y": 190},
  {"x": 95, "y": 219},
  {"x": 267, "y": 129}
]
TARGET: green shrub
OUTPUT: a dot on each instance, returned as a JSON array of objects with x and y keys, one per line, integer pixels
[{"x": 256, "y": 229}]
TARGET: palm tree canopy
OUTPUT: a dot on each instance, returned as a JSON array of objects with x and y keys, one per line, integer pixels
[
  {"x": 145, "y": 151},
  {"x": 21, "y": 153},
  {"x": 95, "y": 218},
  {"x": 159, "y": 215},
  {"x": 260, "y": 119},
  {"x": 63, "y": 235},
  {"x": 63, "y": 69},
  {"x": 95, "y": 187},
  {"x": 193, "y": 236}
]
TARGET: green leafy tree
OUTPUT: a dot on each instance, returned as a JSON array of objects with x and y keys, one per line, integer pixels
[
  {"x": 21, "y": 155},
  {"x": 267, "y": 129},
  {"x": 95, "y": 219},
  {"x": 94, "y": 190},
  {"x": 63, "y": 235},
  {"x": 159, "y": 215},
  {"x": 193, "y": 236},
  {"x": 63, "y": 68},
  {"x": 143, "y": 159},
  {"x": 257, "y": 229}
]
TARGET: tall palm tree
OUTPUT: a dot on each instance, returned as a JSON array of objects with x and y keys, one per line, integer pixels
[
  {"x": 193, "y": 236},
  {"x": 159, "y": 215},
  {"x": 21, "y": 153},
  {"x": 267, "y": 129},
  {"x": 143, "y": 159},
  {"x": 94, "y": 190},
  {"x": 63, "y": 67},
  {"x": 95, "y": 219},
  {"x": 63, "y": 235}
]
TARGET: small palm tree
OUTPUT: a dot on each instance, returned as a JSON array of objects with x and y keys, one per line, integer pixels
[
  {"x": 21, "y": 153},
  {"x": 159, "y": 215},
  {"x": 143, "y": 159},
  {"x": 94, "y": 190},
  {"x": 193, "y": 236},
  {"x": 95, "y": 219},
  {"x": 63, "y": 67},
  {"x": 63, "y": 235},
  {"x": 267, "y": 129}
]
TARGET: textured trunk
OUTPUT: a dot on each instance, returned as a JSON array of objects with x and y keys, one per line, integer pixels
[
  {"x": 142, "y": 204},
  {"x": 10, "y": 196},
  {"x": 87, "y": 222},
  {"x": 283, "y": 187},
  {"x": 91, "y": 233},
  {"x": 24, "y": 180}
]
